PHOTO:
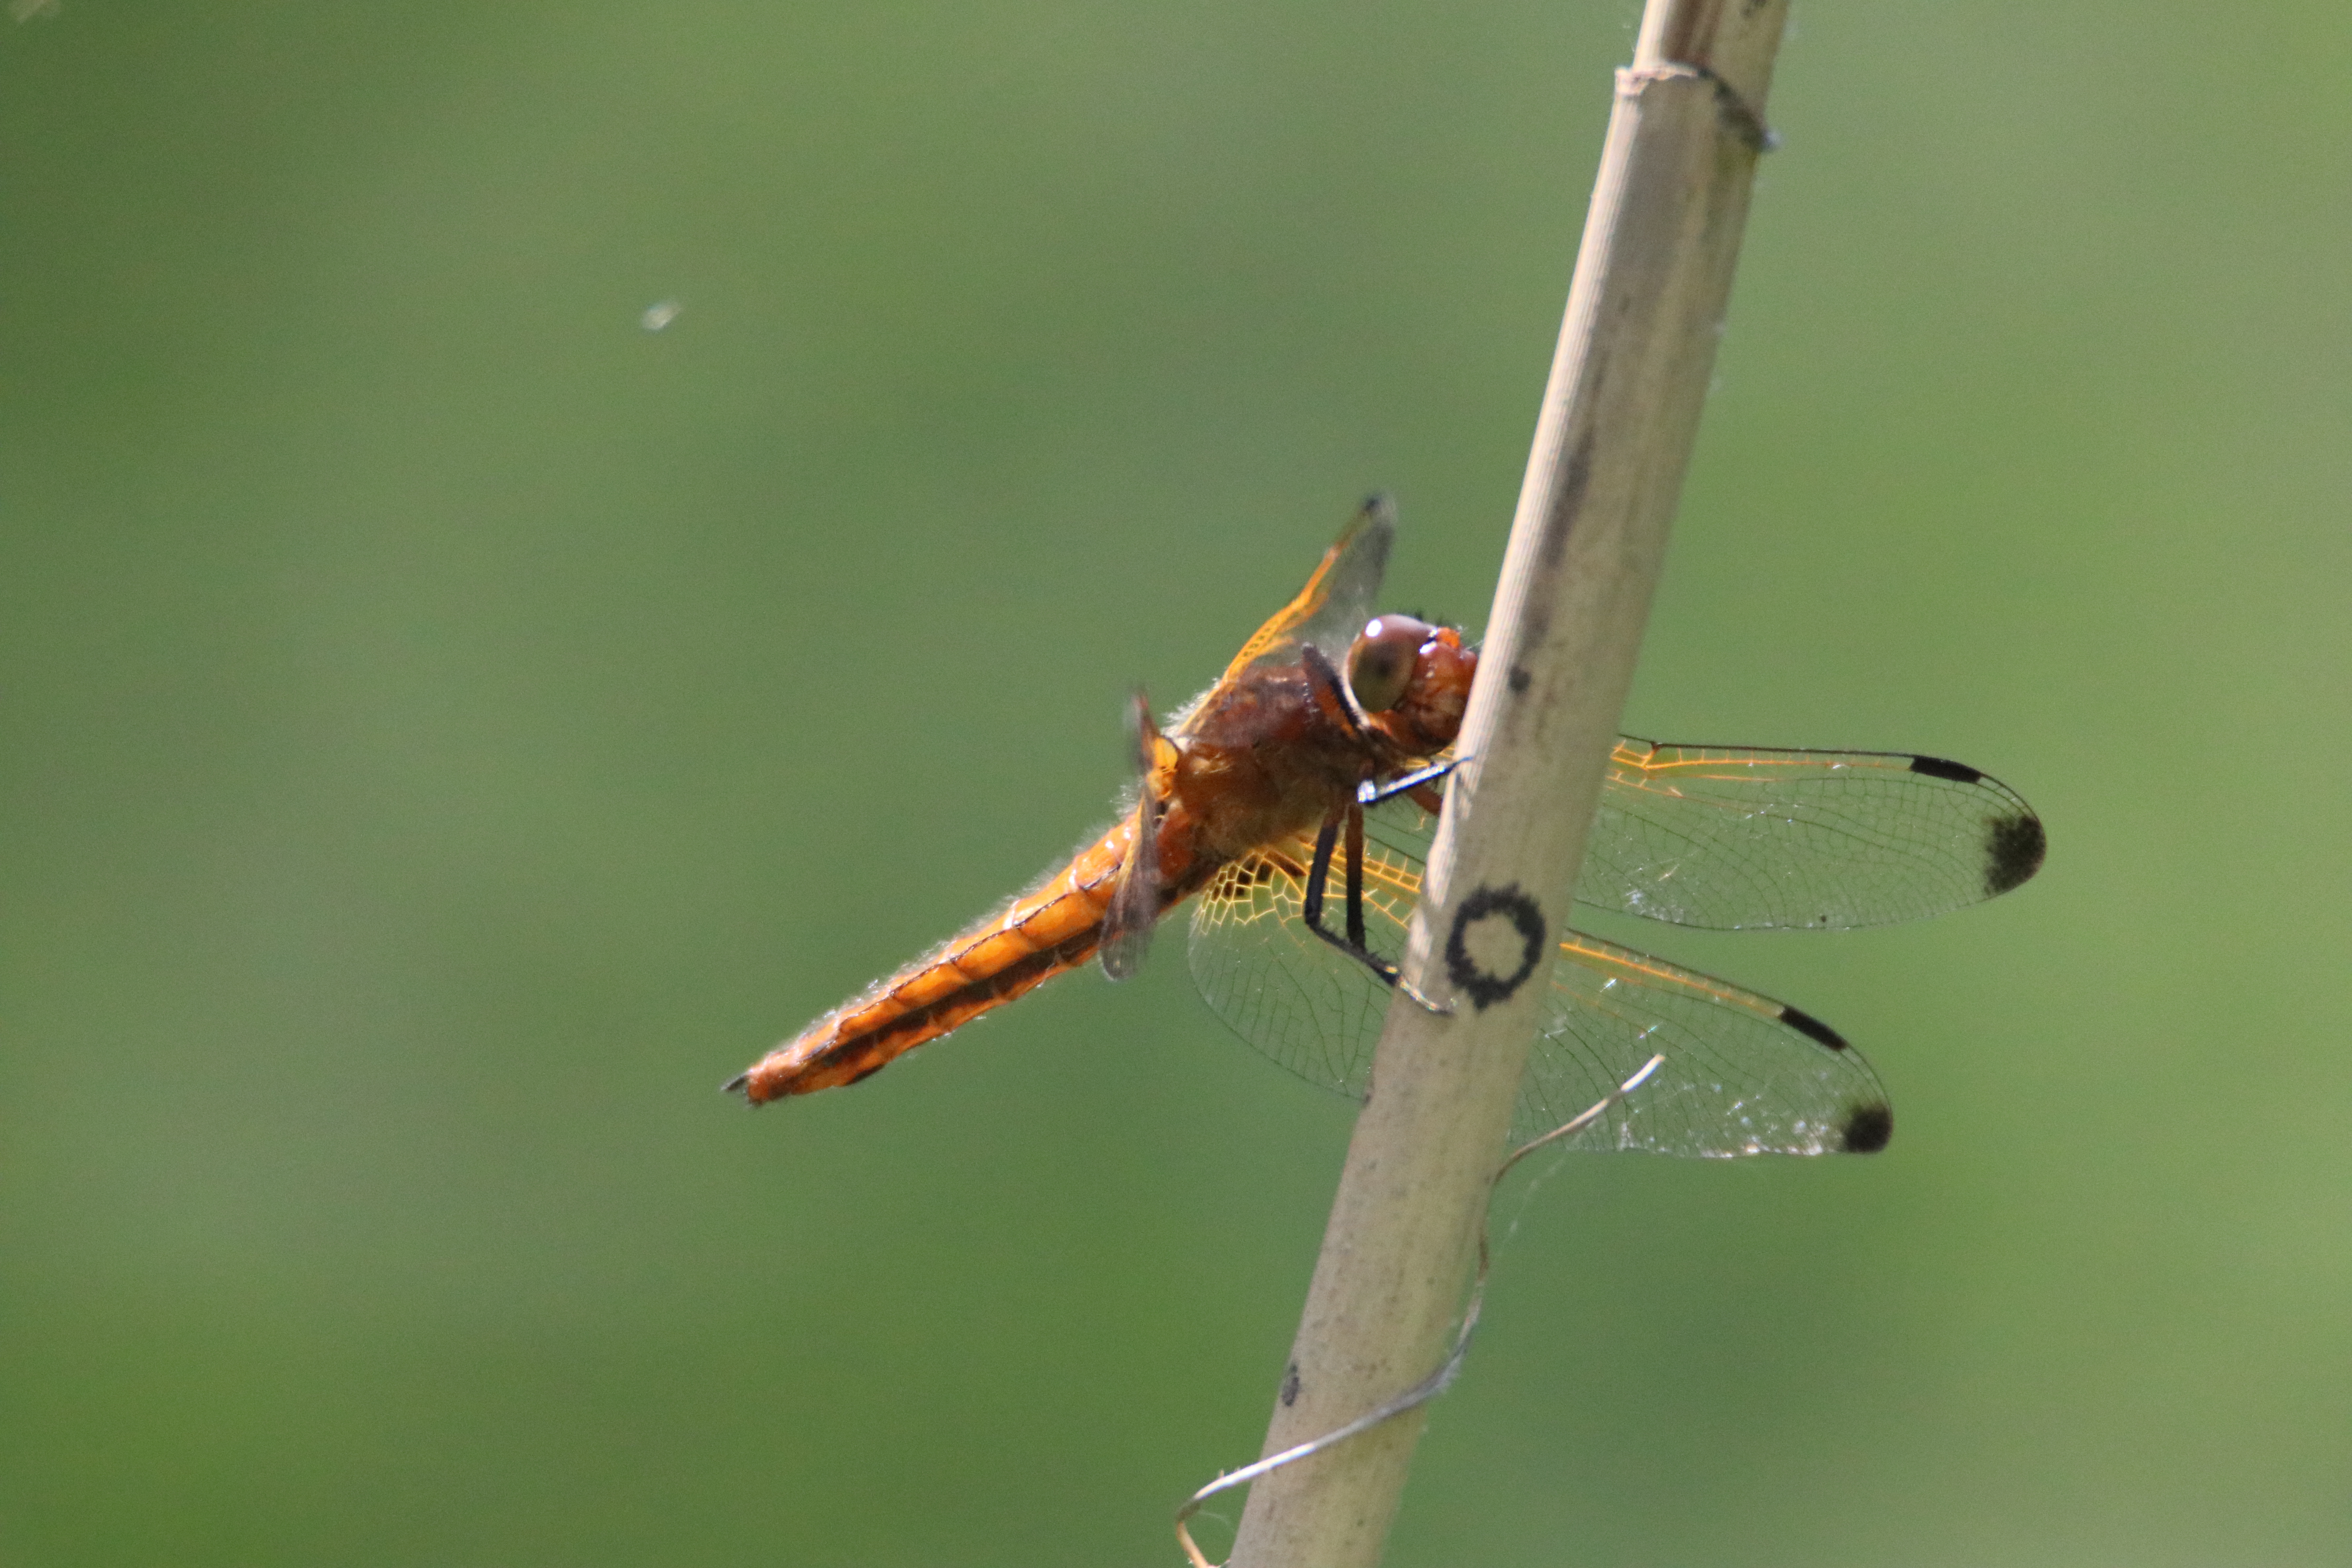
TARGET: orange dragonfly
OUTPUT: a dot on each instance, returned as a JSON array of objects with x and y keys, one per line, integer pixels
[{"x": 1306, "y": 777}]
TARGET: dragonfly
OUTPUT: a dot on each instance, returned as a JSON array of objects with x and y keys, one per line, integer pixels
[{"x": 1294, "y": 803}]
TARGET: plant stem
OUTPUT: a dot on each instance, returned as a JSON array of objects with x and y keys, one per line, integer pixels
[{"x": 1615, "y": 435}]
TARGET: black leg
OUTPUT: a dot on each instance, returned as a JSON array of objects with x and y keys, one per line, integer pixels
[{"x": 1318, "y": 877}]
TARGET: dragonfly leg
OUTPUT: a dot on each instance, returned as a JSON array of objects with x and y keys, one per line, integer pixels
[
  {"x": 1318, "y": 879},
  {"x": 1371, "y": 792}
]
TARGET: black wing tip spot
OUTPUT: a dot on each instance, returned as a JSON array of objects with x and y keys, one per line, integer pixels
[
  {"x": 2014, "y": 846},
  {"x": 1813, "y": 1028},
  {"x": 1944, "y": 768},
  {"x": 1868, "y": 1129}
]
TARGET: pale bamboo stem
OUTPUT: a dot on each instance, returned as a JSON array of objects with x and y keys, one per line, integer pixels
[{"x": 1615, "y": 435}]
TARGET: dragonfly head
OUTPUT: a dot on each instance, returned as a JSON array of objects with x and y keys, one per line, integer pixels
[{"x": 1412, "y": 680}]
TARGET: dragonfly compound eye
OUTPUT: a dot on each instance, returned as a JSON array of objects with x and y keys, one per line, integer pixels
[{"x": 1380, "y": 664}]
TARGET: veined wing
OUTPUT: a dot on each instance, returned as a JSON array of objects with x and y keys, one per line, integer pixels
[
  {"x": 1743, "y": 1074},
  {"x": 1732, "y": 838},
  {"x": 1328, "y": 613},
  {"x": 1338, "y": 599}
]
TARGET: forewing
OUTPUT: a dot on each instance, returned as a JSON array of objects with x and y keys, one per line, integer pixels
[
  {"x": 1338, "y": 599},
  {"x": 1731, "y": 838},
  {"x": 1742, "y": 1074}
]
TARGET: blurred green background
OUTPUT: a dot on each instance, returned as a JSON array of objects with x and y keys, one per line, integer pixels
[{"x": 447, "y": 728}]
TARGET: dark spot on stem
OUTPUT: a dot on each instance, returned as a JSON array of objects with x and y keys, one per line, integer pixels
[{"x": 1483, "y": 988}]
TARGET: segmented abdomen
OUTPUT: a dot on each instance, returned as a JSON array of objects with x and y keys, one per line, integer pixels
[{"x": 1040, "y": 934}]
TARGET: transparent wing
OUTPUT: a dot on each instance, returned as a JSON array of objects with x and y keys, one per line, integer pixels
[
  {"x": 1743, "y": 1074},
  {"x": 1311, "y": 1007},
  {"x": 1338, "y": 599},
  {"x": 1266, "y": 681},
  {"x": 1733, "y": 838},
  {"x": 1134, "y": 904}
]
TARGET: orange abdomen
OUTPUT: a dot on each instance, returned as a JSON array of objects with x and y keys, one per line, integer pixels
[{"x": 1040, "y": 934}]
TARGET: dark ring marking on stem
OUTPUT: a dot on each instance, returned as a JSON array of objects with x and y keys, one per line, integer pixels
[
  {"x": 1290, "y": 1384},
  {"x": 1484, "y": 989}
]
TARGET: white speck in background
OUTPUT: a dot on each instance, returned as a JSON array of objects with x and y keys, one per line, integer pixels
[{"x": 657, "y": 315}]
